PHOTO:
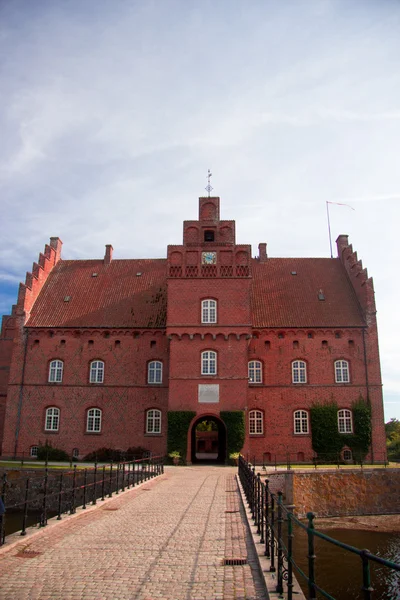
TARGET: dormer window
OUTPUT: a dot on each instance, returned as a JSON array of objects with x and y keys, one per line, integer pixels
[{"x": 209, "y": 235}]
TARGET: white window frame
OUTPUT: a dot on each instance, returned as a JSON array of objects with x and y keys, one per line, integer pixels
[
  {"x": 52, "y": 421},
  {"x": 33, "y": 451},
  {"x": 256, "y": 422},
  {"x": 255, "y": 371},
  {"x": 155, "y": 372},
  {"x": 93, "y": 420},
  {"x": 208, "y": 362},
  {"x": 209, "y": 311},
  {"x": 75, "y": 453},
  {"x": 300, "y": 422},
  {"x": 153, "y": 421},
  {"x": 342, "y": 372},
  {"x": 350, "y": 454},
  {"x": 56, "y": 370},
  {"x": 96, "y": 371},
  {"x": 345, "y": 421},
  {"x": 299, "y": 371}
]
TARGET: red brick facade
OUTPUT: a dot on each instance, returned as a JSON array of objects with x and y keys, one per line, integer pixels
[{"x": 129, "y": 313}]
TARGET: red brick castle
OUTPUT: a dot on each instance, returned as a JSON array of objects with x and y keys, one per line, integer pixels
[{"x": 97, "y": 352}]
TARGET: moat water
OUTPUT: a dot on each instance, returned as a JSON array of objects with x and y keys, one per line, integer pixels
[{"x": 339, "y": 572}]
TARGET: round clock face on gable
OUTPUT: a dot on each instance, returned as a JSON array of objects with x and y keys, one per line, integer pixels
[{"x": 209, "y": 258}]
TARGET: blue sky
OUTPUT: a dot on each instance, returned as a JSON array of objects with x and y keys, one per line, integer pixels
[{"x": 112, "y": 112}]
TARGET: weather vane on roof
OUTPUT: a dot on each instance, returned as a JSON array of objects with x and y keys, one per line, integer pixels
[{"x": 209, "y": 187}]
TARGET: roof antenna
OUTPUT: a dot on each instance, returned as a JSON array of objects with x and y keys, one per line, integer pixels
[{"x": 209, "y": 188}]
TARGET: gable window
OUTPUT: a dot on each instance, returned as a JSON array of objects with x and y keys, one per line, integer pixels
[
  {"x": 209, "y": 363},
  {"x": 153, "y": 421},
  {"x": 209, "y": 311},
  {"x": 299, "y": 371},
  {"x": 33, "y": 451},
  {"x": 301, "y": 421},
  {"x": 93, "y": 423},
  {"x": 56, "y": 371},
  {"x": 97, "y": 371},
  {"x": 255, "y": 371},
  {"x": 342, "y": 371},
  {"x": 52, "y": 419},
  {"x": 154, "y": 372},
  {"x": 256, "y": 422},
  {"x": 345, "y": 421}
]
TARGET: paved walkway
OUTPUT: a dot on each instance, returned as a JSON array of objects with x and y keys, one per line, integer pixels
[{"x": 166, "y": 539}]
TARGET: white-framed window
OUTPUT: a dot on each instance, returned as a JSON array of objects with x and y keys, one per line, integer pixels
[
  {"x": 256, "y": 422},
  {"x": 93, "y": 423},
  {"x": 75, "y": 453},
  {"x": 342, "y": 374},
  {"x": 255, "y": 371},
  {"x": 209, "y": 311},
  {"x": 97, "y": 371},
  {"x": 33, "y": 451},
  {"x": 209, "y": 362},
  {"x": 345, "y": 421},
  {"x": 153, "y": 421},
  {"x": 299, "y": 371},
  {"x": 300, "y": 421},
  {"x": 56, "y": 369},
  {"x": 347, "y": 454},
  {"x": 154, "y": 372},
  {"x": 52, "y": 419}
]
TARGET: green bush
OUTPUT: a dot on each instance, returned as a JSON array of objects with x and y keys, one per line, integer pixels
[
  {"x": 48, "y": 452},
  {"x": 104, "y": 455},
  {"x": 178, "y": 427},
  {"x": 235, "y": 429}
]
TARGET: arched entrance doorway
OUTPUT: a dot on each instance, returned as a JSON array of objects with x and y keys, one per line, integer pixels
[{"x": 208, "y": 440}]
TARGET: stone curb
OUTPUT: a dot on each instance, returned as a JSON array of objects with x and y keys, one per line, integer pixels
[{"x": 264, "y": 563}]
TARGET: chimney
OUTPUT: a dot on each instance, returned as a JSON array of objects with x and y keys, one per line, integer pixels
[
  {"x": 342, "y": 242},
  {"x": 262, "y": 252},
  {"x": 108, "y": 254}
]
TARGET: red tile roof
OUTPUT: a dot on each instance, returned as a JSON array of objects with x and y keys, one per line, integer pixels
[
  {"x": 116, "y": 297},
  {"x": 280, "y": 299}
]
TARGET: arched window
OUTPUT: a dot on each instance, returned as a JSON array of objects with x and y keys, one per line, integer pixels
[
  {"x": 153, "y": 421},
  {"x": 94, "y": 420},
  {"x": 301, "y": 421},
  {"x": 256, "y": 422},
  {"x": 96, "y": 371},
  {"x": 345, "y": 421},
  {"x": 299, "y": 371},
  {"x": 52, "y": 419},
  {"x": 154, "y": 372},
  {"x": 342, "y": 371},
  {"x": 209, "y": 311},
  {"x": 56, "y": 371},
  {"x": 255, "y": 371},
  {"x": 209, "y": 362}
]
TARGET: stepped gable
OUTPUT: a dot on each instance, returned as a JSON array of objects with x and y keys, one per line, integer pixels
[
  {"x": 117, "y": 296},
  {"x": 282, "y": 299}
]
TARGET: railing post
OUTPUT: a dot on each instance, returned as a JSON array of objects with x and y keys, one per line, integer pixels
[
  {"x": 311, "y": 557},
  {"x": 123, "y": 478},
  {"x": 133, "y": 474},
  {"x": 110, "y": 484},
  {"x": 267, "y": 517},
  {"x": 103, "y": 482},
  {"x": 43, "y": 519},
  {"x": 128, "y": 475},
  {"x": 366, "y": 588},
  {"x": 95, "y": 484},
  {"x": 84, "y": 489},
  {"x": 117, "y": 479},
  {"x": 279, "y": 586},
  {"x": 23, "y": 530},
  {"x": 262, "y": 512},
  {"x": 290, "y": 557},
  {"x": 73, "y": 509},
  {"x": 258, "y": 503},
  {"x": 60, "y": 497},
  {"x": 3, "y": 510},
  {"x": 272, "y": 535}
]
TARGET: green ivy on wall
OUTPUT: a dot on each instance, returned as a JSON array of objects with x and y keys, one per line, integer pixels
[
  {"x": 327, "y": 442},
  {"x": 235, "y": 429},
  {"x": 178, "y": 427}
]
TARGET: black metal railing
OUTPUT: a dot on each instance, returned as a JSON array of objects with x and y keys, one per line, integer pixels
[
  {"x": 268, "y": 460},
  {"x": 276, "y": 524},
  {"x": 55, "y": 493}
]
